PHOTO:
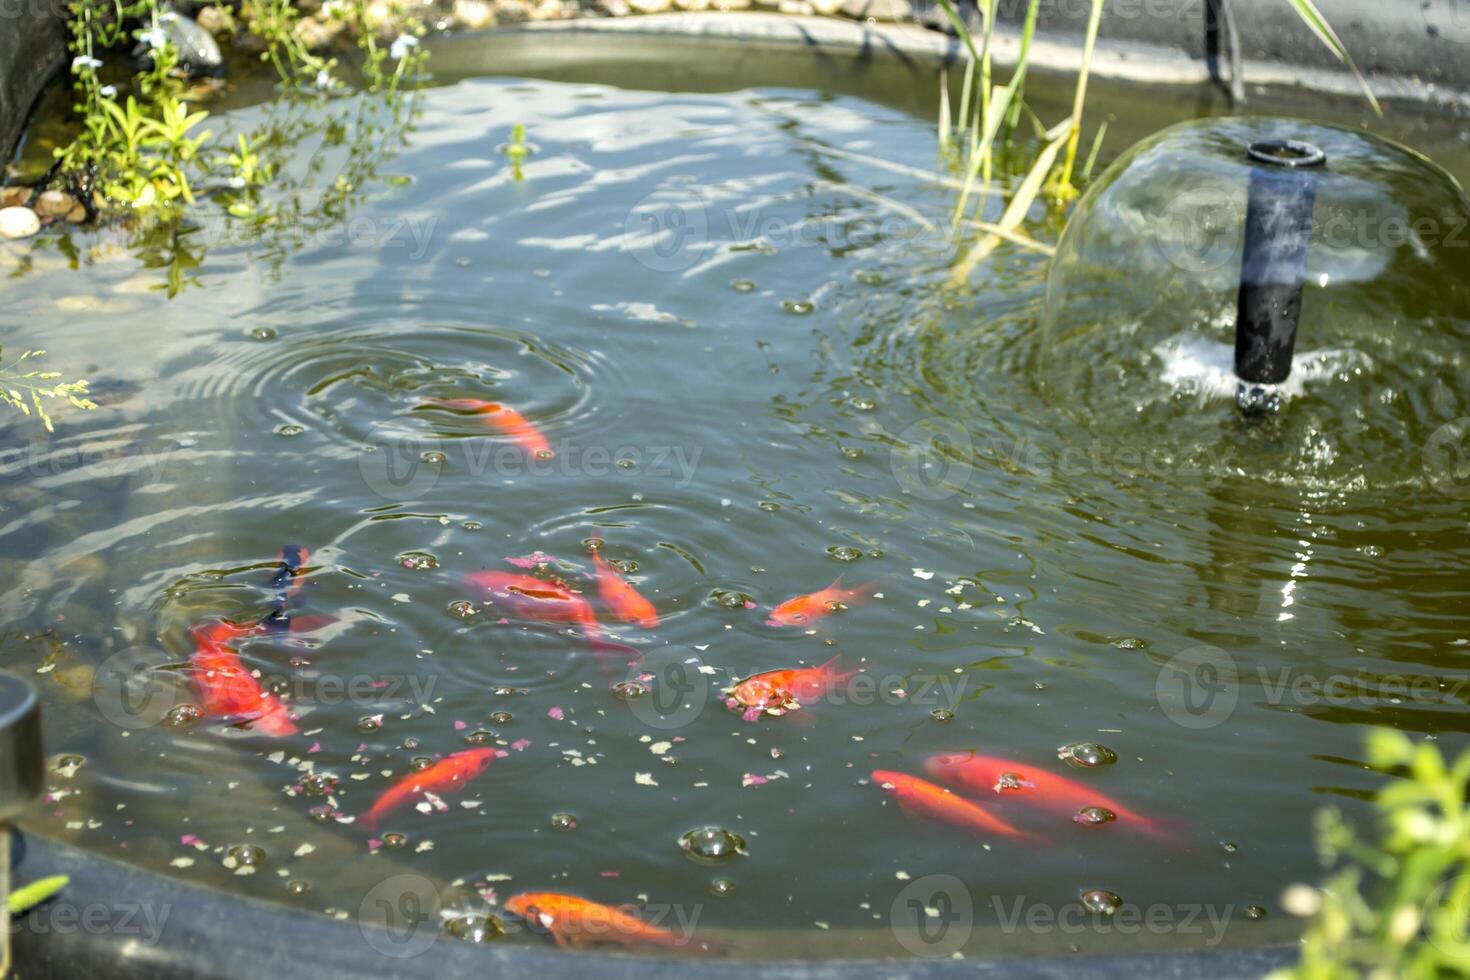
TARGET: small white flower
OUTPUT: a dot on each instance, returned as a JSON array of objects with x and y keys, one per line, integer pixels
[
  {"x": 335, "y": 8},
  {"x": 81, "y": 62},
  {"x": 154, "y": 38},
  {"x": 325, "y": 81},
  {"x": 108, "y": 91},
  {"x": 402, "y": 45}
]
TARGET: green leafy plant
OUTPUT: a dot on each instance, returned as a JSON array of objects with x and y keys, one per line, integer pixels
[
  {"x": 1398, "y": 904},
  {"x": 25, "y": 389},
  {"x": 139, "y": 143}
]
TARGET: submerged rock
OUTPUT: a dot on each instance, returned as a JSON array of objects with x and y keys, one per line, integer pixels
[{"x": 18, "y": 222}]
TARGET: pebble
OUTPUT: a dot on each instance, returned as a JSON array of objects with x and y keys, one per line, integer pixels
[
  {"x": 878, "y": 9},
  {"x": 14, "y": 196},
  {"x": 18, "y": 222},
  {"x": 512, "y": 12},
  {"x": 650, "y": 6},
  {"x": 473, "y": 14},
  {"x": 56, "y": 204},
  {"x": 213, "y": 19}
]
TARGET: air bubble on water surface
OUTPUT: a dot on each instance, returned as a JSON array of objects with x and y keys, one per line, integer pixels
[
  {"x": 472, "y": 525},
  {"x": 298, "y": 887},
  {"x": 411, "y": 742},
  {"x": 419, "y": 762},
  {"x": 863, "y": 403},
  {"x": 742, "y": 285},
  {"x": 324, "y": 813},
  {"x": 798, "y": 307},
  {"x": 1087, "y": 755},
  {"x": 418, "y": 561},
  {"x": 474, "y": 928},
  {"x": 712, "y": 845},
  {"x": 563, "y": 821},
  {"x": 730, "y": 599},
  {"x": 395, "y": 840},
  {"x": 244, "y": 856},
  {"x": 1094, "y": 815},
  {"x": 1255, "y": 912},
  {"x": 1131, "y": 643},
  {"x": 369, "y": 723},
  {"x": 844, "y": 552},
  {"x": 629, "y": 690},
  {"x": 433, "y": 456},
  {"x": 480, "y": 737},
  {"x": 942, "y": 715},
  {"x": 319, "y": 783},
  {"x": 290, "y": 429},
  {"x": 1229, "y": 847},
  {"x": 263, "y": 333},
  {"x": 722, "y": 887},
  {"x": 852, "y": 452},
  {"x": 1100, "y": 901},
  {"x": 502, "y": 717},
  {"x": 770, "y": 506},
  {"x": 461, "y": 609},
  {"x": 183, "y": 715}
]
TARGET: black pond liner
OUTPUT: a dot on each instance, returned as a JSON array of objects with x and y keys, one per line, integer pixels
[{"x": 97, "y": 926}]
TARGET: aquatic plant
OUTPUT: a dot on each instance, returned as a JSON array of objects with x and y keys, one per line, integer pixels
[
  {"x": 991, "y": 119},
  {"x": 24, "y": 390},
  {"x": 1398, "y": 904},
  {"x": 139, "y": 144}
]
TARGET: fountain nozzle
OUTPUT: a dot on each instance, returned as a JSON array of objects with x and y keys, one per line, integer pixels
[{"x": 1278, "y": 229}]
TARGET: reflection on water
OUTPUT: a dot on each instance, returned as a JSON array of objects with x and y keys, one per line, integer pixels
[{"x": 750, "y": 387}]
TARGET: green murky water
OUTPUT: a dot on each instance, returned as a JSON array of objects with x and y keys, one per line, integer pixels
[{"x": 752, "y": 384}]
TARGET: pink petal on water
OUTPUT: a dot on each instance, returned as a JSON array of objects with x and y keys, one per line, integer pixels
[
  {"x": 315, "y": 747},
  {"x": 557, "y": 713},
  {"x": 610, "y": 874},
  {"x": 189, "y": 840},
  {"x": 460, "y": 726},
  {"x": 373, "y": 844},
  {"x": 520, "y": 744},
  {"x": 530, "y": 561},
  {"x": 751, "y": 779},
  {"x": 751, "y": 714}
]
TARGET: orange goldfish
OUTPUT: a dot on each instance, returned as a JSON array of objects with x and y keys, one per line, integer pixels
[
  {"x": 804, "y": 610},
  {"x": 448, "y": 774},
  {"x": 621, "y": 597},
  {"x": 503, "y": 419},
  {"x": 548, "y": 602},
  {"x": 925, "y": 799},
  {"x": 1002, "y": 779},
  {"x": 776, "y": 692},
  {"x": 225, "y": 685},
  {"x": 574, "y": 921}
]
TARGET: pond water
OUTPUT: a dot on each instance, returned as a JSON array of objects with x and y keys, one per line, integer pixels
[{"x": 739, "y": 351}]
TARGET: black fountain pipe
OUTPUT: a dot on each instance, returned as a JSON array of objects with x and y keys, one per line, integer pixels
[{"x": 1278, "y": 229}]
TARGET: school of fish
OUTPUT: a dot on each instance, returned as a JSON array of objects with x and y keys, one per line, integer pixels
[{"x": 987, "y": 796}]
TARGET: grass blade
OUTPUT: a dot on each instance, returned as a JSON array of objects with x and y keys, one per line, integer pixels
[
  {"x": 1020, "y": 205},
  {"x": 1064, "y": 185},
  {"x": 1313, "y": 18}
]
